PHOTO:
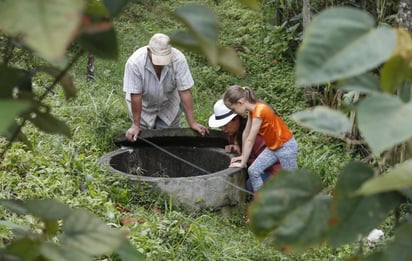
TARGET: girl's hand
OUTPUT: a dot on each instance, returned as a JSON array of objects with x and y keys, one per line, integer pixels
[{"x": 237, "y": 164}]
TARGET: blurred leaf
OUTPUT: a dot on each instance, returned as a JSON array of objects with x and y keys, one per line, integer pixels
[
  {"x": 66, "y": 81},
  {"x": 87, "y": 233},
  {"x": 186, "y": 40},
  {"x": 407, "y": 193},
  {"x": 46, "y": 209},
  {"x": 384, "y": 121},
  {"x": 9, "y": 133},
  {"x": 376, "y": 256},
  {"x": 102, "y": 44},
  {"x": 11, "y": 78},
  {"x": 115, "y": 7},
  {"x": 54, "y": 252},
  {"x": 47, "y": 27},
  {"x": 306, "y": 226},
  {"x": 9, "y": 111},
  {"x": 229, "y": 61},
  {"x": 48, "y": 123},
  {"x": 394, "y": 72},
  {"x": 51, "y": 228},
  {"x": 202, "y": 38},
  {"x": 279, "y": 197},
  {"x": 324, "y": 120},
  {"x": 253, "y": 4},
  {"x": 405, "y": 92},
  {"x": 96, "y": 9},
  {"x": 18, "y": 230},
  {"x": 25, "y": 248},
  {"x": 348, "y": 217},
  {"x": 17, "y": 206},
  {"x": 341, "y": 42},
  {"x": 364, "y": 83},
  {"x": 202, "y": 25},
  {"x": 400, "y": 177},
  {"x": 128, "y": 252}
]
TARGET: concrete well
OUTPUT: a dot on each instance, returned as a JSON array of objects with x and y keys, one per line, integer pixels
[{"x": 192, "y": 169}]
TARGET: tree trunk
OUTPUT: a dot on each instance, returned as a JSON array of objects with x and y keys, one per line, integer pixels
[
  {"x": 308, "y": 91},
  {"x": 305, "y": 14},
  {"x": 90, "y": 68}
]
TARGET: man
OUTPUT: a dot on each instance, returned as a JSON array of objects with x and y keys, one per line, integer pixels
[{"x": 157, "y": 80}]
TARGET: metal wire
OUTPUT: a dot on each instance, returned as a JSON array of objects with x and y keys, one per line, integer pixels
[{"x": 191, "y": 164}]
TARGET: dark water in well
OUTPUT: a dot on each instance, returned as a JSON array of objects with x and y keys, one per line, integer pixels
[{"x": 152, "y": 162}]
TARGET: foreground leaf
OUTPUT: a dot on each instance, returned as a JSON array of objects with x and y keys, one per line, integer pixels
[
  {"x": 352, "y": 215},
  {"x": 47, "y": 209},
  {"x": 54, "y": 252},
  {"x": 229, "y": 61},
  {"x": 25, "y": 248},
  {"x": 9, "y": 111},
  {"x": 202, "y": 37},
  {"x": 398, "y": 69},
  {"x": 394, "y": 72},
  {"x": 47, "y": 27},
  {"x": 65, "y": 81},
  {"x": 48, "y": 123},
  {"x": 253, "y": 4},
  {"x": 115, "y": 7},
  {"x": 364, "y": 83},
  {"x": 305, "y": 227},
  {"x": 397, "y": 179},
  {"x": 202, "y": 24},
  {"x": 384, "y": 121},
  {"x": 85, "y": 232},
  {"x": 102, "y": 44},
  {"x": 279, "y": 197},
  {"x": 324, "y": 120},
  {"x": 128, "y": 252},
  {"x": 326, "y": 54},
  {"x": 10, "y": 78}
]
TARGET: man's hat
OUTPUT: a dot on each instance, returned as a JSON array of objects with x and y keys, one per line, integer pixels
[
  {"x": 222, "y": 115},
  {"x": 160, "y": 48}
]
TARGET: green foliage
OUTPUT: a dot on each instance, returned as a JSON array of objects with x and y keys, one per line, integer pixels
[
  {"x": 360, "y": 201},
  {"x": 326, "y": 54},
  {"x": 67, "y": 170},
  {"x": 82, "y": 236}
]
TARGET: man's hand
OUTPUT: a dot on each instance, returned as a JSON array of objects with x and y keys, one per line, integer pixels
[
  {"x": 202, "y": 130},
  {"x": 132, "y": 133}
]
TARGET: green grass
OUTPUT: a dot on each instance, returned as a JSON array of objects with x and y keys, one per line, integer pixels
[{"x": 68, "y": 170}]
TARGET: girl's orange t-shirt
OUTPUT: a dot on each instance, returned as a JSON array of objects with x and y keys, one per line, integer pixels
[{"x": 273, "y": 129}]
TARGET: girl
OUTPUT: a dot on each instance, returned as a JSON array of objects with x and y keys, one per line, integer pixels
[{"x": 262, "y": 120}]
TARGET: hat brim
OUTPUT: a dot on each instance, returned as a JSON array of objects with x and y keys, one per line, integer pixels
[
  {"x": 161, "y": 59},
  {"x": 213, "y": 123}
]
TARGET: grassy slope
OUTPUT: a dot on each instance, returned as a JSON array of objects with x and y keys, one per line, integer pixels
[{"x": 67, "y": 170}]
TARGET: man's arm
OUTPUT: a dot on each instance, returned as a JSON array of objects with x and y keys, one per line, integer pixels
[
  {"x": 187, "y": 102},
  {"x": 136, "y": 105}
]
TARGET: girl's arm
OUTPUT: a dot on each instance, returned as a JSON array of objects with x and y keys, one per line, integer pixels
[
  {"x": 246, "y": 130},
  {"x": 248, "y": 142}
]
